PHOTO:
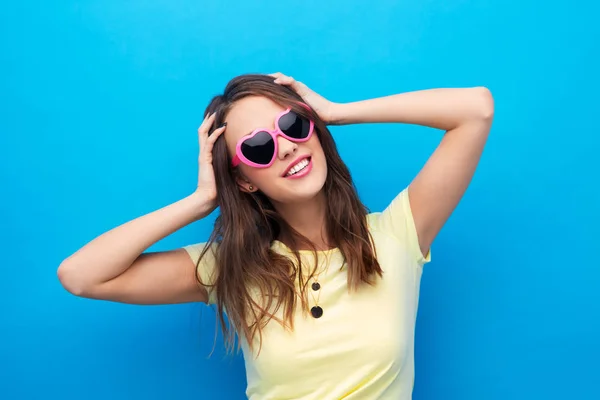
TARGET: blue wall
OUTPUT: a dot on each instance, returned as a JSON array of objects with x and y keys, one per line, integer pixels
[{"x": 99, "y": 106}]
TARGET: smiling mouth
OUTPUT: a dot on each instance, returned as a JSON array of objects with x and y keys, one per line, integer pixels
[{"x": 299, "y": 167}]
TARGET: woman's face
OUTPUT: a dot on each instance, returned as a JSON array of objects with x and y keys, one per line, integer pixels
[{"x": 275, "y": 182}]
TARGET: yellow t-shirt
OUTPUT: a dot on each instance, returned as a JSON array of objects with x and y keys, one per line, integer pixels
[{"x": 363, "y": 345}]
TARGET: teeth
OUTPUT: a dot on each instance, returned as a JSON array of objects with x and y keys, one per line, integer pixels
[{"x": 298, "y": 167}]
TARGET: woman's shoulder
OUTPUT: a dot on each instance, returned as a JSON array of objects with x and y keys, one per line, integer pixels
[
  {"x": 195, "y": 250},
  {"x": 396, "y": 223}
]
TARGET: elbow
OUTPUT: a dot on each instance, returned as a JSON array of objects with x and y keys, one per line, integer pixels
[
  {"x": 485, "y": 104},
  {"x": 67, "y": 278}
]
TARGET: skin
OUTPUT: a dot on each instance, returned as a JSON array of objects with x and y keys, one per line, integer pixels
[
  {"x": 116, "y": 266},
  {"x": 299, "y": 201},
  {"x": 465, "y": 114}
]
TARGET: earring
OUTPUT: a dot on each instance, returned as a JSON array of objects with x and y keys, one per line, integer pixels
[{"x": 250, "y": 187}]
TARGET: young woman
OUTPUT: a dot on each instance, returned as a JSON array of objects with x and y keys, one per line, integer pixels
[{"x": 322, "y": 294}]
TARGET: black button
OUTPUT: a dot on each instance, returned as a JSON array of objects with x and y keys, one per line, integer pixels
[
  {"x": 316, "y": 311},
  {"x": 316, "y": 286}
]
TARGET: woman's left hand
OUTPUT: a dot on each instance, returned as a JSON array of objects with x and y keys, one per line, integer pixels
[{"x": 323, "y": 107}]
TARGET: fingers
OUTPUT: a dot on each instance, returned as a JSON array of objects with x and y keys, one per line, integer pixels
[
  {"x": 206, "y": 124},
  {"x": 285, "y": 80},
  {"x": 216, "y": 134},
  {"x": 206, "y": 138},
  {"x": 204, "y": 129},
  {"x": 282, "y": 79},
  {"x": 289, "y": 81}
]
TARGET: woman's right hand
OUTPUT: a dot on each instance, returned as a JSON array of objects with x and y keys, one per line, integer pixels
[{"x": 207, "y": 187}]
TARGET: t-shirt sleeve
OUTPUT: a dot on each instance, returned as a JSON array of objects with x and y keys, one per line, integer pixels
[
  {"x": 206, "y": 270},
  {"x": 397, "y": 220}
]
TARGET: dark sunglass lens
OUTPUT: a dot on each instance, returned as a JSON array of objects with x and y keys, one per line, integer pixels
[
  {"x": 259, "y": 148},
  {"x": 294, "y": 125}
]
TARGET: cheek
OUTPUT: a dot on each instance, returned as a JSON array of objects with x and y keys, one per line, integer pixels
[
  {"x": 260, "y": 177},
  {"x": 316, "y": 149},
  {"x": 320, "y": 168},
  {"x": 315, "y": 145}
]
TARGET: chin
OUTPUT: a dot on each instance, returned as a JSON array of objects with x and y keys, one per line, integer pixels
[
  {"x": 306, "y": 194},
  {"x": 310, "y": 186},
  {"x": 304, "y": 188}
]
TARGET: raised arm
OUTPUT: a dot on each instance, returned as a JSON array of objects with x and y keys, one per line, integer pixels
[
  {"x": 114, "y": 266},
  {"x": 466, "y": 116}
]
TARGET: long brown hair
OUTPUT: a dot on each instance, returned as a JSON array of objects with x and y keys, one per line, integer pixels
[{"x": 248, "y": 223}]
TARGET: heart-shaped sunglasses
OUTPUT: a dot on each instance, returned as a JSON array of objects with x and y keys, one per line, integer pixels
[{"x": 259, "y": 148}]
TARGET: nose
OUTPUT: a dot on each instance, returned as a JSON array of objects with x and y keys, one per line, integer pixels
[{"x": 286, "y": 148}]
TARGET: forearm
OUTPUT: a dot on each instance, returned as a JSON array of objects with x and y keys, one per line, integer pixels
[
  {"x": 444, "y": 109},
  {"x": 113, "y": 252}
]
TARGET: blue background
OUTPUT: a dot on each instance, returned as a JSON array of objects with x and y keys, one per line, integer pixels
[{"x": 99, "y": 106}]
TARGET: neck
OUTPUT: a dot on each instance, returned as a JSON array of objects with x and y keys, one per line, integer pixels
[{"x": 307, "y": 218}]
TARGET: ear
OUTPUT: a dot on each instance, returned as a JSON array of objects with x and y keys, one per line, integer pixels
[{"x": 244, "y": 185}]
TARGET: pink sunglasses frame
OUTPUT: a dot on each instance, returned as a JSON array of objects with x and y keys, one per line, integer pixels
[{"x": 239, "y": 156}]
